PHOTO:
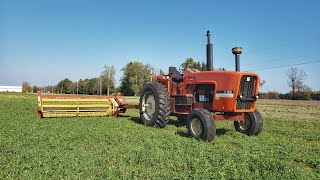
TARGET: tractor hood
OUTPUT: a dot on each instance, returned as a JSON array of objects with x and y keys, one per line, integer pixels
[{"x": 229, "y": 86}]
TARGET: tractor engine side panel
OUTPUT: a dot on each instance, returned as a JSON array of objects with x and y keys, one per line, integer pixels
[{"x": 228, "y": 84}]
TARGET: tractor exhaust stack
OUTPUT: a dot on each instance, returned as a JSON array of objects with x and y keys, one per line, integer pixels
[
  {"x": 237, "y": 51},
  {"x": 209, "y": 53}
]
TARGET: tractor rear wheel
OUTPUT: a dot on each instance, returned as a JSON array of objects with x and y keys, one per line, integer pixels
[
  {"x": 201, "y": 125},
  {"x": 155, "y": 107},
  {"x": 252, "y": 124}
]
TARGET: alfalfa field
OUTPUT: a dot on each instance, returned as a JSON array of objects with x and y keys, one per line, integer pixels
[{"x": 110, "y": 147}]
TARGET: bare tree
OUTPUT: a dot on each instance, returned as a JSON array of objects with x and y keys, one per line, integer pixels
[
  {"x": 295, "y": 81},
  {"x": 108, "y": 73},
  {"x": 261, "y": 83}
]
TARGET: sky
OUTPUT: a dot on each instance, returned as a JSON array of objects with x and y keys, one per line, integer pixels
[{"x": 45, "y": 41}]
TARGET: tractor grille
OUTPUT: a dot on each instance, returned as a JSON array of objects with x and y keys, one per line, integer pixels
[{"x": 246, "y": 89}]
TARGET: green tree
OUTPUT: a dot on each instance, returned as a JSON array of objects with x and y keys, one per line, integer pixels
[
  {"x": 135, "y": 75},
  {"x": 92, "y": 86},
  {"x": 198, "y": 66},
  {"x": 125, "y": 87},
  {"x": 190, "y": 63},
  {"x": 74, "y": 88},
  {"x": 26, "y": 87},
  {"x": 65, "y": 86},
  {"x": 34, "y": 89},
  {"x": 203, "y": 66},
  {"x": 83, "y": 86}
]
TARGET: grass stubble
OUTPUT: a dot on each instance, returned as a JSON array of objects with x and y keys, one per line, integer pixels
[{"x": 109, "y": 147}]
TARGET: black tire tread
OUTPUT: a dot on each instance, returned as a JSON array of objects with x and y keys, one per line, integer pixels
[
  {"x": 164, "y": 106},
  {"x": 256, "y": 124},
  {"x": 209, "y": 124},
  {"x": 259, "y": 121}
]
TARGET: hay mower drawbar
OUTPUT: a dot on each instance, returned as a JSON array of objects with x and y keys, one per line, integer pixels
[{"x": 196, "y": 98}]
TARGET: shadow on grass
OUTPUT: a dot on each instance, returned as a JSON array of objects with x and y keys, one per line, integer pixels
[
  {"x": 183, "y": 134},
  {"x": 219, "y": 132},
  {"x": 176, "y": 123},
  {"x": 171, "y": 122},
  {"x": 136, "y": 120},
  {"x": 123, "y": 115}
]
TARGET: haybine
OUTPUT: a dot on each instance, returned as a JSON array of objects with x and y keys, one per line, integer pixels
[{"x": 54, "y": 105}]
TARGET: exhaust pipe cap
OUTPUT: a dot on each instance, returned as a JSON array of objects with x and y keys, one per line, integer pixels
[{"x": 237, "y": 50}]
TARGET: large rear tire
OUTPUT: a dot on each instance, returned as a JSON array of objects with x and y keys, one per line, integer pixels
[
  {"x": 252, "y": 125},
  {"x": 155, "y": 107},
  {"x": 201, "y": 125}
]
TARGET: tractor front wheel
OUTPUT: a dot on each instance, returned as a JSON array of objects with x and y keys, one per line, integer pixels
[
  {"x": 155, "y": 107},
  {"x": 252, "y": 124},
  {"x": 201, "y": 125}
]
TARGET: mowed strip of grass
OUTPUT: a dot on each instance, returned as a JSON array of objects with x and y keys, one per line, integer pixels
[{"x": 109, "y": 147}]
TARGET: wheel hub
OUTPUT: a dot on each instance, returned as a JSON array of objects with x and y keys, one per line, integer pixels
[
  {"x": 244, "y": 125},
  {"x": 148, "y": 105},
  {"x": 196, "y": 126}
]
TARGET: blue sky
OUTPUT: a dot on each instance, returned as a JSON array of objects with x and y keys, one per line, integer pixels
[{"x": 43, "y": 42}]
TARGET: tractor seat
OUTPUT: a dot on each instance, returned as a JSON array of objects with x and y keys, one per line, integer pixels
[{"x": 175, "y": 74}]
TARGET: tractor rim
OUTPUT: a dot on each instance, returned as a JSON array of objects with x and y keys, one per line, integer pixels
[
  {"x": 246, "y": 124},
  {"x": 196, "y": 126},
  {"x": 148, "y": 105}
]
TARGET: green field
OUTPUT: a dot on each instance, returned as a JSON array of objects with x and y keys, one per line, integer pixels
[{"x": 108, "y": 147}]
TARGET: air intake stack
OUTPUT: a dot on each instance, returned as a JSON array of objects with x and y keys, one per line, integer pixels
[
  {"x": 209, "y": 53},
  {"x": 237, "y": 51}
]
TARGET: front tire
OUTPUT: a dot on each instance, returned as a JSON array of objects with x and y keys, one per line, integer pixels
[
  {"x": 155, "y": 107},
  {"x": 252, "y": 124},
  {"x": 201, "y": 125}
]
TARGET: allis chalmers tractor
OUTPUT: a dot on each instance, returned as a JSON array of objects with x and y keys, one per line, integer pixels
[{"x": 200, "y": 98}]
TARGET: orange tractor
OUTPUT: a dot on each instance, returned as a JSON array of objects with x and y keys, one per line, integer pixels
[{"x": 200, "y": 98}]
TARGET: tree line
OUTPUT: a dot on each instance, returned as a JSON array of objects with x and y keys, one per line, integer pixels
[
  {"x": 299, "y": 90},
  {"x": 104, "y": 84},
  {"x": 303, "y": 95},
  {"x": 136, "y": 74}
]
